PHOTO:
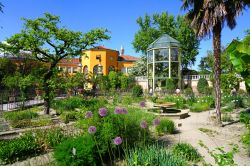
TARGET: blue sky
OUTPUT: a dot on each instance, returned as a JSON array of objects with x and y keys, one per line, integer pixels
[{"x": 118, "y": 16}]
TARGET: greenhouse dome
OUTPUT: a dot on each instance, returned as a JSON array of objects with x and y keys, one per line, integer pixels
[{"x": 163, "y": 61}]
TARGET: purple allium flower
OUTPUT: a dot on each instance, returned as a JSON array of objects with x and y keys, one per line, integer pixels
[
  {"x": 92, "y": 130},
  {"x": 124, "y": 111},
  {"x": 118, "y": 110},
  {"x": 144, "y": 124},
  {"x": 156, "y": 122},
  {"x": 117, "y": 140},
  {"x": 103, "y": 112},
  {"x": 142, "y": 104},
  {"x": 88, "y": 114}
]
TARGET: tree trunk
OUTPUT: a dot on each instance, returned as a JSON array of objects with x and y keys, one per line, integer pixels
[
  {"x": 47, "y": 89},
  {"x": 217, "y": 69}
]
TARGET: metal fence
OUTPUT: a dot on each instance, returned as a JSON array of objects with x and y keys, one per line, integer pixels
[{"x": 13, "y": 100}]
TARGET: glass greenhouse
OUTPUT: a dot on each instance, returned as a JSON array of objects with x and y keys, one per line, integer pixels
[{"x": 163, "y": 61}]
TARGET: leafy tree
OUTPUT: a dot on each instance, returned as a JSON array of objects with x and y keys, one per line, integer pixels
[
  {"x": 6, "y": 68},
  {"x": 50, "y": 43},
  {"x": 239, "y": 53},
  {"x": 74, "y": 82},
  {"x": 207, "y": 63},
  {"x": 209, "y": 16},
  {"x": 153, "y": 27},
  {"x": 140, "y": 67}
]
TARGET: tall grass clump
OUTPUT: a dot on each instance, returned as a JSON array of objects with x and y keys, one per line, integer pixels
[
  {"x": 153, "y": 155},
  {"x": 186, "y": 151}
]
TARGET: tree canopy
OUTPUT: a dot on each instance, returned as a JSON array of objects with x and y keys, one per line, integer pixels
[
  {"x": 48, "y": 42},
  {"x": 152, "y": 27},
  {"x": 239, "y": 53}
]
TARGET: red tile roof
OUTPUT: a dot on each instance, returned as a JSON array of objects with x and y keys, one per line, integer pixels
[
  {"x": 101, "y": 48},
  {"x": 128, "y": 58},
  {"x": 70, "y": 61}
]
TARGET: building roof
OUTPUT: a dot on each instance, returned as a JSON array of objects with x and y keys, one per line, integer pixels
[
  {"x": 164, "y": 41},
  {"x": 127, "y": 58},
  {"x": 101, "y": 48},
  {"x": 70, "y": 61}
]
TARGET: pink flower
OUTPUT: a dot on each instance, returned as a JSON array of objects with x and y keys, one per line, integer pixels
[
  {"x": 117, "y": 140},
  {"x": 103, "y": 112},
  {"x": 92, "y": 130},
  {"x": 144, "y": 124},
  {"x": 88, "y": 114},
  {"x": 156, "y": 122},
  {"x": 142, "y": 104}
]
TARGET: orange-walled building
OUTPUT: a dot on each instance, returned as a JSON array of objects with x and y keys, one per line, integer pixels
[{"x": 101, "y": 60}]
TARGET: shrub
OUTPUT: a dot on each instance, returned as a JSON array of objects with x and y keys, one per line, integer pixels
[
  {"x": 20, "y": 115},
  {"x": 208, "y": 100},
  {"x": 49, "y": 138},
  {"x": 178, "y": 100},
  {"x": 170, "y": 86},
  {"x": 199, "y": 107},
  {"x": 229, "y": 81},
  {"x": 202, "y": 85},
  {"x": 137, "y": 91},
  {"x": 66, "y": 117},
  {"x": 186, "y": 151},
  {"x": 113, "y": 79},
  {"x": 19, "y": 148},
  {"x": 124, "y": 82},
  {"x": 30, "y": 123},
  {"x": 153, "y": 98},
  {"x": 76, "y": 151},
  {"x": 188, "y": 92},
  {"x": 153, "y": 155},
  {"x": 166, "y": 126},
  {"x": 69, "y": 104},
  {"x": 245, "y": 117}
]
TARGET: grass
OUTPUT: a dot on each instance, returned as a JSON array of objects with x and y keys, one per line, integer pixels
[
  {"x": 20, "y": 115},
  {"x": 209, "y": 132},
  {"x": 199, "y": 107}
]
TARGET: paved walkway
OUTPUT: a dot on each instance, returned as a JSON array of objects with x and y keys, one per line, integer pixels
[{"x": 221, "y": 136}]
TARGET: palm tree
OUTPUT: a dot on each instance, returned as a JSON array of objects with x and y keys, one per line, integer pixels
[
  {"x": 209, "y": 16},
  {"x": 1, "y": 7}
]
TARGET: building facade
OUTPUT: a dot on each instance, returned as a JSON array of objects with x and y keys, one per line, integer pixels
[{"x": 101, "y": 60}]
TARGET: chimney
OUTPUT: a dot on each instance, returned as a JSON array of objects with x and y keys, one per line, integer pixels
[{"x": 122, "y": 50}]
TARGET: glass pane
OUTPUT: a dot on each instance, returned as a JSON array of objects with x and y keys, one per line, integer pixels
[
  {"x": 150, "y": 70},
  {"x": 150, "y": 56},
  {"x": 161, "y": 69},
  {"x": 161, "y": 54},
  {"x": 174, "y": 69},
  {"x": 174, "y": 54}
]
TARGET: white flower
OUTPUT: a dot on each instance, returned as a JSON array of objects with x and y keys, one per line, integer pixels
[{"x": 74, "y": 151}]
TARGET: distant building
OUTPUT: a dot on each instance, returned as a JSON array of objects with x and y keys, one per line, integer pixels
[
  {"x": 101, "y": 60},
  {"x": 70, "y": 65}
]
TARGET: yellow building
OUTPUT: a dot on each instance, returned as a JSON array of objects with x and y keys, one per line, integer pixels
[{"x": 101, "y": 60}]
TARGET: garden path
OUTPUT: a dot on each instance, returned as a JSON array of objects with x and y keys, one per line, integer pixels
[{"x": 220, "y": 136}]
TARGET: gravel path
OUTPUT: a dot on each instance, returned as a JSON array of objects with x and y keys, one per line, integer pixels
[{"x": 217, "y": 137}]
